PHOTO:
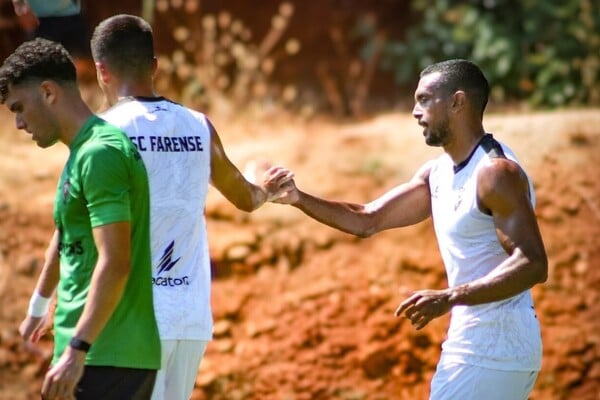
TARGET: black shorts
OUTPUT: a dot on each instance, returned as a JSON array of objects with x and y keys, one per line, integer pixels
[{"x": 101, "y": 383}]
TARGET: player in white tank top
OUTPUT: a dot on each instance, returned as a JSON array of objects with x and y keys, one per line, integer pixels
[
  {"x": 503, "y": 334},
  {"x": 481, "y": 203},
  {"x": 182, "y": 153}
]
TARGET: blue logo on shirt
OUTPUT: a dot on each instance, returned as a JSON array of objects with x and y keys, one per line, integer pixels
[{"x": 165, "y": 260}]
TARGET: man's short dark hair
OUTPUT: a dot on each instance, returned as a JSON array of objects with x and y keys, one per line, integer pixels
[
  {"x": 36, "y": 60},
  {"x": 462, "y": 75},
  {"x": 125, "y": 43}
]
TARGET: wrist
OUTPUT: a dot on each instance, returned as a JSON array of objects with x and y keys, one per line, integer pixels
[
  {"x": 79, "y": 344},
  {"x": 38, "y": 305},
  {"x": 457, "y": 295}
]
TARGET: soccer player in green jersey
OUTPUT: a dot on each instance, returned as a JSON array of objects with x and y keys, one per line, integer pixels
[{"x": 98, "y": 261}]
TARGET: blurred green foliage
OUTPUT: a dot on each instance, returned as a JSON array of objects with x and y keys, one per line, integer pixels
[{"x": 544, "y": 51}]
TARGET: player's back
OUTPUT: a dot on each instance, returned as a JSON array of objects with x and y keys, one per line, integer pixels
[{"x": 174, "y": 142}]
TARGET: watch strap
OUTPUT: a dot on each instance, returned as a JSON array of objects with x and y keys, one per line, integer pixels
[{"x": 80, "y": 345}]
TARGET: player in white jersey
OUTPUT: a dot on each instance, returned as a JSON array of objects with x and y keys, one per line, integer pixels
[
  {"x": 482, "y": 206},
  {"x": 182, "y": 153}
]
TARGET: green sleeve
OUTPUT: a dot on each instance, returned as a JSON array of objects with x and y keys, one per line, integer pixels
[{"x": 106, "y": 185}]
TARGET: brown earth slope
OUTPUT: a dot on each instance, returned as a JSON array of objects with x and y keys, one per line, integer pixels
[{"x": 305, "y": 312}]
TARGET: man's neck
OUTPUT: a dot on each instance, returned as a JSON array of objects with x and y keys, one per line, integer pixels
[
  {"x": 74, "y": 115},
  {"x": 463, "y": 144},
  {"x": 136, "y": 89}
]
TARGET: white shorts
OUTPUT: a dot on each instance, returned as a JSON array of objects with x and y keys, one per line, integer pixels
[
  {"x": 180, "y": 360},
  {"x": 453, "y": 381}
]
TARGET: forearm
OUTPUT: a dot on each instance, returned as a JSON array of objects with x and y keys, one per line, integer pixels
[
  {"x": 347, "y": 217},
  {"x": 513, "y": 276},
  {"x": 255, "y": 197},
  {"x": 106, "y": 290},
  {"x": 50, "y": 273}
]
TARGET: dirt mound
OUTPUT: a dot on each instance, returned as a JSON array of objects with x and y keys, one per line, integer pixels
[{"x": 305, "y": 312}]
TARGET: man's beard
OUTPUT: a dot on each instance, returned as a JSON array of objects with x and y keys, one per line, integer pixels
[{"x": 439, "y": 136}]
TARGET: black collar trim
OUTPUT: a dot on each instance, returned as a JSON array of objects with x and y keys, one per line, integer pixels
[{"x": 484, "y": 140}]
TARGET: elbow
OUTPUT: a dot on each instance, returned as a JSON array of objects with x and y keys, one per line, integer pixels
[
  {"x": 367, "y": 226},
  {"x": 364, "y": 233},
  {"x": 535, "y": 266},
  {"x": 540, "y": 267},
  {"x": 247, "y": 207}
]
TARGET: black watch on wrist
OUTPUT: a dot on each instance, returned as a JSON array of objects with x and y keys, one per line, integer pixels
[{"x": 80, "y": 345}]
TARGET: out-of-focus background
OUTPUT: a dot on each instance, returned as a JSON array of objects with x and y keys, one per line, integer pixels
[{"x": 325, "y": 87}]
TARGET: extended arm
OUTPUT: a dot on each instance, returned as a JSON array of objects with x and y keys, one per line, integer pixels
[
  {"x": 406, "y": 204},
  {"x": 503, "y": 192},
  {"x": 228, "y": 179},
  {"x": 106, "y": 288}
]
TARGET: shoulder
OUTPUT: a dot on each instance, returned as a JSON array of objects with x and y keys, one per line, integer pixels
[
  {"x": 439, "y": 168},
  {"x": 104, "y": 139},
  {"x": 500, "y": 181},
  {"x": 494, "y": 171},
  {"x": 424, "y": 170},
  {"x": 197, "y": 115}
]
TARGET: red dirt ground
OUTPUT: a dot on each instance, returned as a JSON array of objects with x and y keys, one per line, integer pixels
[{"x": 305, "y": 312}]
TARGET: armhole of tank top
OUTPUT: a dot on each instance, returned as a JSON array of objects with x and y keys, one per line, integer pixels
[{"x": 493, "y": 149}]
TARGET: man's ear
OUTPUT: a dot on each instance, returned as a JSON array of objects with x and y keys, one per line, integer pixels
[
  {"x": 49, "y": 91},
  {"x": 459, "y": 100},
  {"x": 102, "y": 72}
]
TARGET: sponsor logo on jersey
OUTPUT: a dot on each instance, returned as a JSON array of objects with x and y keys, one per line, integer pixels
[
  {"x": 160, "y": 281},
  {"x": 165, "y": 265},
  {"x": 70, "y": 249},
  {"x": 157, "y": 109}
]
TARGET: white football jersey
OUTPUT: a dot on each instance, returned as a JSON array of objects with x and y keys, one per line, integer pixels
[
  {"x": 174, "y": 143},
  {"x": 500, "y": 335}
]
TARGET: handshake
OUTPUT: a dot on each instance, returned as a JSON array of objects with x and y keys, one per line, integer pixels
[{"x": 278, "y": 182}]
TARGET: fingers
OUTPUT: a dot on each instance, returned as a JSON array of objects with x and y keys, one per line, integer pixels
[
  {"x": 277, "y": 175},
  {"x": 37, "y": 334},
  {"x": 32, "y": 328},
  {"x": 55, "y": 388},
  {"x": 411, "y": 301},
  {"x": 280, "y": 185},
  {"x": 49, "y": 387},
  {"x": 414, "y": 310}
]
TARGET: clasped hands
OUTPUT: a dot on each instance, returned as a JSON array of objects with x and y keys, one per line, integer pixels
[{"x": 280, "y": 186}]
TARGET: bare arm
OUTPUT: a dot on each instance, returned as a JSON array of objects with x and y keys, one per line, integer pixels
[
  {"x": 32, "y": 327},
  {"x": 406, "y": 204},
  {"x": 108, "y": 280},
  {"x": 228, "y": 179},
  {"x": 106, "y": 288},
  {"x": 48, "y": 279},
  {"x": 503, "y": 192}
]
